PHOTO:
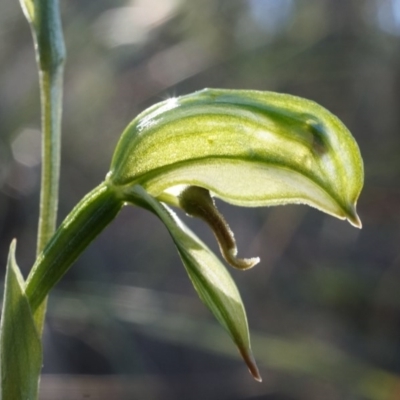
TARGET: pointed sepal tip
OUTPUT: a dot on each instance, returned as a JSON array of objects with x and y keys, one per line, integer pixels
[
  {"x": 353, "y": 217},
  {"x": 251, "y": 363}
]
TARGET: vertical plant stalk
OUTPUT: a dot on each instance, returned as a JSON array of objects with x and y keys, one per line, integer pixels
[
  {"x": 51, "y": 98},
  {"x": 44, "y": 18}
]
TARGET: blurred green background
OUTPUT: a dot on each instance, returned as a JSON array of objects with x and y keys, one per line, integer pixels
[{"x": 125, "y": 323}]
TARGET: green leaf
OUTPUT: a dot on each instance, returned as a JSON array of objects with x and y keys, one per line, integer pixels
[
  {"x": 249, "y": 148},
  {"x": 210, "y": 278},
  {"x": 20, "y": 345}
]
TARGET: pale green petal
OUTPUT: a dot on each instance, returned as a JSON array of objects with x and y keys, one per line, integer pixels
[
  {"x": 267, "y": 185},
  {"x": 250, "y": 148}
]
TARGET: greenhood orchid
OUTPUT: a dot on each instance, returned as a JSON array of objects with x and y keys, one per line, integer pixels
[{"x": 248, "y": 148}]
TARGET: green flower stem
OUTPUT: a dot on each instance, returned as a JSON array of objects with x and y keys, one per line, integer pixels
[
  {"x": 51, "y": 99},
  {"x": 51, "y": 92},
  {"x": 45, "y": 22},
  {"x": 85, "y": 222}
]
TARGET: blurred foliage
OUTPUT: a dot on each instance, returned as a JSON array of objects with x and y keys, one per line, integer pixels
[{"x": 318, "y": 278}]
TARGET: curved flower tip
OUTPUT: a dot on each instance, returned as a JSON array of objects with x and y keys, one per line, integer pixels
[
  {"x": 240, "y": 263},
  {"x": 251, "y": 363},
  {"x": 353, "y": 217}
]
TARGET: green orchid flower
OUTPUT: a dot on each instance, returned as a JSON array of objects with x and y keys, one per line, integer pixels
[{"x": 248, "y": 148}]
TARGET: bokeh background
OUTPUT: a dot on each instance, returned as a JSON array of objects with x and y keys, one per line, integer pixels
[{"x": 125, "y": 323}]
